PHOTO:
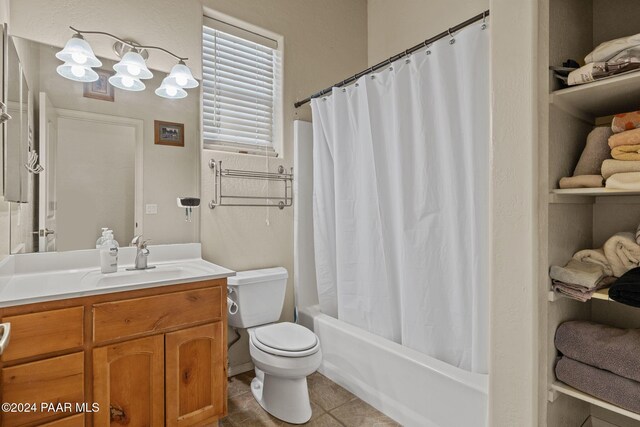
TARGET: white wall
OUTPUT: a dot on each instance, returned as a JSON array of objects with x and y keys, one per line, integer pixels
[
  {"x": 394, "y": 26},
  {"x": 513, "y": 380}
]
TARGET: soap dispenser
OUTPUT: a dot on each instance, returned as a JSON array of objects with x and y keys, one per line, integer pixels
[
  {"x": 109, "y": 254},
  {"x": 100, "y": 240}
]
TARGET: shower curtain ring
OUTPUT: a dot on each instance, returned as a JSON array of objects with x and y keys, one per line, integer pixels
[
  {"x": 453, "y": 40},
  {"x": 484, "y": 21}
]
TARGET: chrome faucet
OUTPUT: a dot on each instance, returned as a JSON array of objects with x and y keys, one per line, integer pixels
[{"x": 141, "y": 254}]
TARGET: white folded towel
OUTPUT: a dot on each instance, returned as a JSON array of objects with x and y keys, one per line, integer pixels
[
  {"x": 624, "y": 181},
  {"x": 622, "y": 252},
  {"x": 584, "y": 274},
  {"x": 595, "y": 256},
  {"x": 612, "y": 48}
]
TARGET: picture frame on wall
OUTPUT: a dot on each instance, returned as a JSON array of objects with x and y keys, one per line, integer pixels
[
  {"x": 100, "y": 89},
  {"x": 169, "y": 133}
]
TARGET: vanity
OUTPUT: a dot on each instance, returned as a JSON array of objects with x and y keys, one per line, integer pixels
[{"x": 139, "y": 348}]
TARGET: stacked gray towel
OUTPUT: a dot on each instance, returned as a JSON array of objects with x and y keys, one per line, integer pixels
[{"x": 600, "y": 360}]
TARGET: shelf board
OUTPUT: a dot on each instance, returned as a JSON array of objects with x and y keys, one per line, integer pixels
[
  {"x": 597, "y": 192},
  {"x": 602, "y": 294},
  {"x": 560, "y": 387},
  {"x": 613, "y": 95}
]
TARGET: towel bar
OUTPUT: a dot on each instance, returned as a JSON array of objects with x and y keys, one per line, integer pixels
[{"x": 219, "y": 174}]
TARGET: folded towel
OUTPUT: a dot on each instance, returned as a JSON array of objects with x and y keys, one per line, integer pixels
[
  {"x": 601, "y": 346},
  {"x": 580, "y": 293},
  {"x": 626, "y": 152},
  {"x": 624, "y": 181},
  {"x": 595, "y": 256},
  {"x": 596, "y": 151},
  {"x": 622, "y": 252},
  {"x": 630, "y": 137},
  {"x": 602, "y": 384},
  {"x": 626, "y": 290},
  {"x": 580, "y": 273},
  {"x": 582, "y": 181},
  {"x": 625, "y": 121},
  {"x": 612, "y": 167}
]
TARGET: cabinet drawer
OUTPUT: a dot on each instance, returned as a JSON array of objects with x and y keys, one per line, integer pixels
[
  {"x": 113, "y": 320},
  {"x": 55, "y": 380},
  {"x": 44, "y": 332}
]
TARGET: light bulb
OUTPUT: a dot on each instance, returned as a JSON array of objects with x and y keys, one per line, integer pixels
[
  {"x": 79, "y": 58},
  {"x": 181, "y": 79},
  {"x": 127, "y": 81},
  {"x": 134, "y": 70},
  {"x": 78, "y": 71},
  {"x": 172, "y": 91}
]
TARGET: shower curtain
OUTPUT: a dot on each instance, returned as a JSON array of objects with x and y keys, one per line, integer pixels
[{"x": 401, "y": 169}]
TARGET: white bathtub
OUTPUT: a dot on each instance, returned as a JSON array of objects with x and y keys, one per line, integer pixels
[{"x": 408, "y": 386}]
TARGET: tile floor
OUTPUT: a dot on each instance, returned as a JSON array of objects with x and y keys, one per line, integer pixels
[{"x": 332, "y": 406}]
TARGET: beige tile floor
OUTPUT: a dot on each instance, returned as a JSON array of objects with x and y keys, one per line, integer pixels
[{"x": 332, "y": 406}]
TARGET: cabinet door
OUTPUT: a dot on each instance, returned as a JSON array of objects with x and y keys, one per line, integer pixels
[
  {"x": 128, "y": 383},
  {"x": 196, "y": 375}
]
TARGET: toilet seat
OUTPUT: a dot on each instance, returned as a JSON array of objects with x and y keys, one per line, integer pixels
[{"x": 285, "y": 339}]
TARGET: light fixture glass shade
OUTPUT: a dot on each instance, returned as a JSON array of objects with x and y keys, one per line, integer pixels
[
  {"x": 78, "y": 73},
  {"x": 169, "y": 90},
  {"x": 126, "y": 82},
  {"x": 181, "y": 76},
  {"x": 132, "y": 64},
  {"x": 77, "y": 51}
]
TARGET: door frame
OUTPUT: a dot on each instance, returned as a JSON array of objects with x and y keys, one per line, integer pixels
[{"x": 138, "y": 126}]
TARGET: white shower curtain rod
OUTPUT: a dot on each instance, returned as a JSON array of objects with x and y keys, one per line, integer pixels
[{"x": 409, "y": 51}]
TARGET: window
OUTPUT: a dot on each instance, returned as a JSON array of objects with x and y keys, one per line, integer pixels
[{"x": 241, "y": 89}]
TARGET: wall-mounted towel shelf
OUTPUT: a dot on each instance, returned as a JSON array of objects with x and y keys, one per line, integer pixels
[{"x": 221, "y": 199}]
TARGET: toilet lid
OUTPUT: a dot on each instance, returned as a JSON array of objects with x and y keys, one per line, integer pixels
[{"x": 286, "y": 336}]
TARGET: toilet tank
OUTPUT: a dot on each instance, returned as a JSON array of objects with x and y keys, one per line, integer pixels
[{"x": 259, "y": 295}]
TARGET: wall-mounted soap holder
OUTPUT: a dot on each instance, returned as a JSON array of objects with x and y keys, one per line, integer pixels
[{"x": 188, "y": 203}]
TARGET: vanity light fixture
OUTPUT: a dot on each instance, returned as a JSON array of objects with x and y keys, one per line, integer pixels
[
  {"x": 132, "y": 63},
  {"x": 130, "y": 70},
  {"x": 181, "y": 76},
  {"x": 127, "y": 82},
  {"x": 78, "y": 73},
  {"x": 79, "y": 60},
  {"x": 169, "y": 90}
]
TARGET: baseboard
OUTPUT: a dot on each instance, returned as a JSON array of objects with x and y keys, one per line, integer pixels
[{"x": 239, "y": 369}]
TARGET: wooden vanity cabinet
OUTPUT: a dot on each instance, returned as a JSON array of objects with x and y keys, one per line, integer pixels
[{"x": 149, "y": 357}]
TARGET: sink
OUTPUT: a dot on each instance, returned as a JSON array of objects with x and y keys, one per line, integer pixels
[{"x": 48, "y": 276}]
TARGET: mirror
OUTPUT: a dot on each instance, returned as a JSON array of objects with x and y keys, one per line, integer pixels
[{"x": 95, "y": 148}]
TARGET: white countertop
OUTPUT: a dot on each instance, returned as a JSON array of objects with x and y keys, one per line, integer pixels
[{"x": 38, "y": 277}]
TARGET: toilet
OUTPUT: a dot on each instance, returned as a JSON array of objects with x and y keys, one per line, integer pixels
[{"x": 283, "y": 354}]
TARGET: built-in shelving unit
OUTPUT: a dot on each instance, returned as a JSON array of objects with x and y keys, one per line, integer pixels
[{"x": 575, "y": 219}]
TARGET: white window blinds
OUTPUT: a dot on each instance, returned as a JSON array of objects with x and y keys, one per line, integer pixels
[{"x": 241, "y": 72}]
